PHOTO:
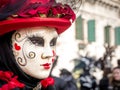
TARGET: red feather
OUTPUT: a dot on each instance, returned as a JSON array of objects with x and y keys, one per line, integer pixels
[{"x": 40, "y": 1}]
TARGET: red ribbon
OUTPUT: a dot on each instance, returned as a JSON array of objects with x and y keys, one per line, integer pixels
[{"x": 47, "y": 82}]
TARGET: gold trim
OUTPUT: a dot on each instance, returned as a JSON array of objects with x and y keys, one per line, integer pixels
[{"x": 38, "y": 87}]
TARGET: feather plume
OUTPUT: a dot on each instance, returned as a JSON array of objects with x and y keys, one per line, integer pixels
[{"x": 74, "y": 4}]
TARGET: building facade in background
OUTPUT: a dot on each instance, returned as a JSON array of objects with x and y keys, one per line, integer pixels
[
  {"x": 99, "y": 21},
  {"x": 97, "y": 24}
]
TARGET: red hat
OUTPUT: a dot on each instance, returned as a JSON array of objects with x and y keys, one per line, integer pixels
[{"x": 33, "y": 13}]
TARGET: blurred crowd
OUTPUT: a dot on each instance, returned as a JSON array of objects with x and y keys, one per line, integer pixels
[
  {"x": 94, "y": 75},
  {"x": 110, "y": 78},
  {"x": 88, "y": 81}
]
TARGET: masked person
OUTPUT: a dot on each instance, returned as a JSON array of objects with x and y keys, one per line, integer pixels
[{"x": 28, "y": 36}]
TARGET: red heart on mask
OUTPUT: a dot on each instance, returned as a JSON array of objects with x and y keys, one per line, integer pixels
[{"x": 17, "y": 47}]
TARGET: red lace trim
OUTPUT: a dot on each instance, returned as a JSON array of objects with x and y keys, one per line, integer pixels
[{"x": 11, "y": 80}]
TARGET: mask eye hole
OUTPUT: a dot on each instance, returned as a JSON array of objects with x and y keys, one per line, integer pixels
[
  {"x": 37, "y": 41},
  {"x": 53, "y": 42}
]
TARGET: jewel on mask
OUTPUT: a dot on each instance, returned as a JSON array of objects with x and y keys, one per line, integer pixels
[
  {"x": 31, "y": 55},
  {"x": 17, "y": 47},
  {"x": 16, "y": 53}
]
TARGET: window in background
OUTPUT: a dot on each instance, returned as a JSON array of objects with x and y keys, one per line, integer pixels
[
  {"x": 79, "y": 28},
  {"x": 117, "y": 36},
  {"x": 91, "y": 31},
  {"x": 107, "y": 34}
]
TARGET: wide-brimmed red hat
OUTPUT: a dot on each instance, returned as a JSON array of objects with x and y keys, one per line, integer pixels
[{"x": 34, "y": 13}]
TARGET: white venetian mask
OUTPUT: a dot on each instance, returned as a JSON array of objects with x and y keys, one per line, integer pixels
[{"x": 34, "y": 50}]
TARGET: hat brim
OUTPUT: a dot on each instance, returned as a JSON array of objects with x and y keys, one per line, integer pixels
[{"x": 15, "y": 24}]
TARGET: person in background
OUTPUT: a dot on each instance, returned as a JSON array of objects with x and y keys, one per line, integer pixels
[
  {"x": 115, "y": 79},
  {"x": 68, "y": 79},
  {"x": 60, "y": 83},
  {"x": 87, "y": 80},
  {"x": 104, "y": 83},
  {"x": 28, "y": 36},
  {"x": 118, "y": 62}
]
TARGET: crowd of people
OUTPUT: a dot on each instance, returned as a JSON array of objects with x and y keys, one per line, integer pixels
[
  {"x": 110, "y": 79},
  {"x": 88, "y": 81}
]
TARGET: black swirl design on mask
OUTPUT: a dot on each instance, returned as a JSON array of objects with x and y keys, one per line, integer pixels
[
  {"x": 21, "y": 61},
  {"x": 31, "y": 55},
  {"x": 19, "y": 37}
]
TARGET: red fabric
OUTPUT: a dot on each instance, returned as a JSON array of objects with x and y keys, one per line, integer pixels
[
  {"x": 39, "y": 13},
  {"x": 41, "y": 1},
  {"x": 16, "y": 24},
  {"x": 3, "y": 2},
  {"x": 48, "y": 10},
  {"x": 11, "y": 81},
  {"x": 47, "y": 82}
]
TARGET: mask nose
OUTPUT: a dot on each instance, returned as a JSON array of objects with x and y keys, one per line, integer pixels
[{"x": 48, "y": 53}]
